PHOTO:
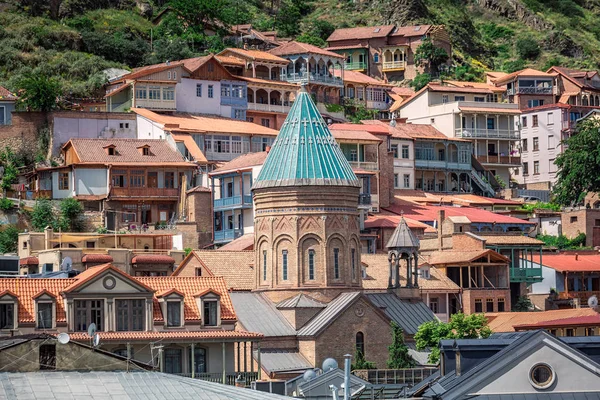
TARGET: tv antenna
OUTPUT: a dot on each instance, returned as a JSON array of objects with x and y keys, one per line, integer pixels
[{"x": 66, "y": 264}]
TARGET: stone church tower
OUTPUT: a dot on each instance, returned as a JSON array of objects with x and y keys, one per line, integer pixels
[{"x": 306, "y": 226}]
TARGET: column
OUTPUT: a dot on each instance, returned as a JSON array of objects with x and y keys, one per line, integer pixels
[
  {"x": 269, "y": 100},
  {"x": 447, "y": 307},
  {"x": 251, "y": 356},
  {"x": 397, "y": 284},
  {"x": 408, "y": 273},
  {"x": 258, "y": 360},
  {"x": 499, "y": 152},
  {"x": 245, "y": 357},
  {"x": 224, "y": 364},
  {"x": 253, "y": 70},
  {"x": 193, "y": 356},
  {"x": 391, "y": 272},
  {"x": 416, "y": 258},
  {"x": 460, "y": 116}
]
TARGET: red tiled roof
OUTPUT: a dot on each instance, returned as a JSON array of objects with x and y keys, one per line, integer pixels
[
  {"x": 152, "y": 259},
  {"x": 191, "y": 146},
  {"x": 92, "y": 272},
  {"x": 150, "y": 69},
  {"x": 570, "y": 262},
  {"x": 192, "y": 64},
  {"x": 349, "y": 47},
  {"x": 199, "y": 189},
  {"x": 392, "y": 220},
  {"x": 29, "y": 261},
  {"x": 476, "y": 85},
  {"x": 294, "y": 47},
  {"x": 244, "y": 242},
  {"x": 359, "y": 77},
  {"x": 375, "y": 129},
  {"x": 403, "y": 91},
  {"x": 506, "y": 321},
  {"x": 354, "y": 134},
  {"x": 408, "y": 31},
  {"x": 268, "y": 82},
  {"x": 392, "y": 131},
  {"x": 254, "y": 55},
  {"x": 44, "y": 292},
  {"x": 5, "y": 94},
  {"x": 230, "y": 60},
  {"x": 527, "y": 72},
  {"x": 586, "y": 320},
  {"x": 462, "y": 257},
  {"x": 366, "y": 32},
  {"x": 97, "y": 258},
  {"x": 173, "y": 335},
  {"x": 93, "y": 151},
  {"x": 242, "y": 162},
  {"x": 168, "y": 292}
]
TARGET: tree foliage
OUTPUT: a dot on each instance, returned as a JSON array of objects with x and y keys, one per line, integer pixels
[
  {"x": 460, "y": 326},
  {"x": 523, "y": 304},
  {"x": 528, "y": 49},
  {"x": 43, "y": 215},
  {"x": 9, "y": 238},
  {"x": 420, "y": 81},
  {"x": 67, "y": 218},
  {"x": 398, "y": 351},
  {"x": 360, "y": 362},
  {"x": 39, "y": 92},
  {"x": 430, "y": 56},
  {"x": 562, "y": 242},
  {"x": 71, "y": 212},
  {"x": 10, "y": 163},
  {"x": 579, "y": 164}
]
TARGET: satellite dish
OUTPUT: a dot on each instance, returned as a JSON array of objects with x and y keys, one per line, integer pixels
[
  {"x": 593, "y": 302},
  {"x": 66, "y": 264},
  {"x": 63, "y": 338},
  {"x": 329, "y": 364},
  {"x": 92, "y": 330},
  {"x": 309, "y": 375},
  {"x": 96, "y": 340}
]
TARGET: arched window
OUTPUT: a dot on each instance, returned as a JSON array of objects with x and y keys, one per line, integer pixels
[
  {"x": 376, "y": 58},
  {"x": 360, "y": 343},
  {"x": 311, "y": 264}
]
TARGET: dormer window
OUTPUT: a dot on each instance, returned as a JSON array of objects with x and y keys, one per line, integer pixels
[
  {"x": 425, "y": 274},
  {"x": 111, "y": 150},
  {"x": 174, "y": 313},
  {"x": 209, "y": 303},
  {"x": 144, "y": 150},
  {"x": 45, "y": 310},
  {"x": 210, "y": 312},
  {"x": 8, "y": 310},
  {"x": 172, "y": 308}
]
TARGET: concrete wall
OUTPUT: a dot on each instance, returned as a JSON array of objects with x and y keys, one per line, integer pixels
[
  {"x": 187, "y": 101},
  {"x": 580, "y": 220},
  {"x": 147, "y": 129},
  {"x": 56, "y": 192},
  {"x": 91, "y": 181},
  {"x": 69, "y": 125},
  {"x": 550, "y": 279}
]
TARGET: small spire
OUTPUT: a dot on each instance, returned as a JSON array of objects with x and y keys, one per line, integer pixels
[{"x": 303, "y": 87}]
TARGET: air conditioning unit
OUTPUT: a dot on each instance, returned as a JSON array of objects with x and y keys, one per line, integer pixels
[{"x": 277, "y": 387}]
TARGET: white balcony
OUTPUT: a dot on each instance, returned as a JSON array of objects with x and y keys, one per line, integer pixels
[
  {"x": 155, "y": 104},
  {"x": 393, "y": 65},
  {"x": 313, "y": 78},
  {"x": 269, "y": 107},
  {"x": 377, "y": 105},
  {"x": 367, "y": 166},
  {"x": 482, "y": 133}
]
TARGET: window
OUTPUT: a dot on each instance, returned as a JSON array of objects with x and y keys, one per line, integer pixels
[
  {"x": 198, "y": 272},
  {"x": 425, "y": 273},
  {"x": 336, "y": 263},
  {"x": 119, "y": 178},
  {"x": 376, "y": 58},
  {"x": 311, "y": 264},
  {"x": 173, "y": 361},
  {"x": 407, "y": 181},
  {"x": 169, "y": 180},
  {"x": 211, "y": 90},
  {"x": 353, "y": 155},
  {"x": 536, "y": 144},
  {"x": 478, "y": 306},
  {"x": 264, "y": 265},
  {"x": 525, "y": 145},
  {"x": 569, "y": 332},
  {"x": 174, "y": 75},
  {"x": 534, "y": 121},
  {"x": 492, "y": 98},
  {"x": 210, "y": 312},
  {"x": 405, "y": 151},
  {"x": 88, "y": 311},
  {"x": 174, "y": 313},
  {"x": 145, "y": 151},
  {"x": 573, "y": 219},
  {"x": 140, "y": 92},
  {"x": 535, "y": 103},
  {"x": 199, "y": 366},
  {"x": 198, "y": 90},
  {"x": 130, "y": 315},
  {"x": 284, "y": 265},
  {"x": 551, "y": 144},
  {"x": 489, "y": 305},
  {"x": 169, "y": 93},
  {"x": 536, "y": 167},
  {"x": 63, "y": 181},
  {"x": 395, "y": 150},
  {"x": 553, "y": 331},
  {"x": 550, "y": 118},
  {"x": 396, "y": 183},
  {"x": 479, "y": 99},
  {"x": 434, "y": 305},
  {"x": 137, "y": 178},
  {"x": 154, "y": 93},
  {"x": 7, "y": 316},
  {"x": 120, "y": 126},
  {"x": 353, "y": 263},
  {"x": 44, "y": 316},
  {"x": 225, "y": 90},
  {"x": 239, "y": 114},
  {"x": 47, "y": 357},
  {"x": 24, "y": 245},
  {"x": 459, "y": 98},
  {"x": 444, "y": 98},
  {"x": 266, "y": 122},
  {"x": 169, "y": 75},
  {"x": 501, "y": 306},
  {"x": 360, "y": 343},
  {"x": 589, "y": 332},
  {"x": 432, "y": 120},
  {"x": 541, "y": 376},
  {"x": 524, "y": 122},
  {"x": 491, "y": 123}
]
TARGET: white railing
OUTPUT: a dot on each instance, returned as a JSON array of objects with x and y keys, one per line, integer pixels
[
  {"x": 269, "y": 107},
  {"x": 155, "y": 104},
  {"x": 393, "y": 65},
  {"x": 467, "y": 133},
  {"x": 304, "y": 77},
  {"x": 377, "y": 105},
  {"x": 368, "y": 166},
  {"x": 489, "y": 104}
]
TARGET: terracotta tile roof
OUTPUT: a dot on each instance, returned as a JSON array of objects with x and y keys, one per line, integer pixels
[
  {"x": 242, "y": 162},
  {"x": 199, "y": 189},
  {"x": 29, "y": 261},
  {"x": 5, "y": 94},
  {"x": 377, "y": 268},
  {"x": 93, "y": 151},
  {"x": 391, "y": 221},
  {"x": 244, "y": 242},
  {"x": 586, "y": 320},
  {"x": 408, "y": 31},
  {"x": 495, "y": 110},
  {"x": 349, "y": 47},
  {"x": 375, "y": 129},
  {"x": 294, "y": 47},
  {"x": 359, "y": 77},
  {"x": 504, "y": 239},
  {"x": 236, "y": 267},
  {"x": 527, "y": 72},
  {"x": 474, "y": 199},
  {"x": 254, "y": 55},
  {"x": 570, "y": 262},
  {"x": 446, "y": 257},
  {"x": 392, "y": 131},
  {"x": 192, "y": 64},
  {"x": 27, "y": 288},
  {"x": 366, "y": 32},
  {"x": 403, "y": 91},
  {"x": 191, "y": 146},
  {"x": 151, "y": 69},
  {"x": 168, "y": 335},
  {"x": 352, "y": 134},
  {"x": 152, "y": 259},
  {"x": 505, "y": 322},
  {"x": 434, "y": 87},
  {"x": 170, "y": 291},
  {"x": 496, "y": 74},
  {"x": 230, "y": 60},
  {"x": 97, "y": 258},
  {"x": 190, "y": 286},
  {"x": 475, "y": 85},
  {"x": 414, "y": 131},
  {"x": 201, "y": 124}
]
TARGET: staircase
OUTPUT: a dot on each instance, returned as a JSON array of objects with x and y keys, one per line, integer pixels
[{"x": 483, "y": 179}]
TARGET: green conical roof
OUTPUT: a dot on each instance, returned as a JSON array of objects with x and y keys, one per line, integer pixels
[{"x": 305, "y": 152}]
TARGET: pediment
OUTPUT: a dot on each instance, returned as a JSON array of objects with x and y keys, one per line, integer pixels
[{"x": 109, "y": 282}]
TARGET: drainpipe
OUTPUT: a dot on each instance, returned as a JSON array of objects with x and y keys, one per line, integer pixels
[{"x": 347, "y": 394}]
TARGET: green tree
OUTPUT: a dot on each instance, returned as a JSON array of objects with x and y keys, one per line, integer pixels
[
  {"x": 71, "y": 212},
  {"x": 9, "y": 162},
  {"x": 38, "y": 92},
  {"x": 311, "y": 39},
  {"x": 360, "y": 362},
  {"x": 9, "y": 237},
  {"x": 196, "y": 14},
  {"x": 430, "y": 56},
  {"x": 6, "y": 204},
  {"x": 528, "y": 49},
  {"x": 523, "y": 304},
  {"x": 460, "y": 326},
  {"x": 579, "y": 164},
  {"x": 43, "y": 215},
  {"x": 398, "y": 351},
  {"x": 420, "y": 81}
]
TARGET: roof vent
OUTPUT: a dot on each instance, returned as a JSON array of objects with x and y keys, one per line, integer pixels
[{"x": 377, "y": 30}]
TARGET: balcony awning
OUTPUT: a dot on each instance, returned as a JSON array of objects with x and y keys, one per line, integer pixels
[{"x": 489, "y": 110}]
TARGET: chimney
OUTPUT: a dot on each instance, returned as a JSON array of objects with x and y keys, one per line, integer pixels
[
  {"x": 268, "y": 149},
  {"x": 440, "y": 221},
  {"x": 48, "y": 236},
  {"x": 458, "y": 372}
]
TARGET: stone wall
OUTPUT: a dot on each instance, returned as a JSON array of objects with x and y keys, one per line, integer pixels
[
  {"x": 22, "y": 134},
  {"x": 580, "y": 220},
  {"x": 200, "y": 212}
]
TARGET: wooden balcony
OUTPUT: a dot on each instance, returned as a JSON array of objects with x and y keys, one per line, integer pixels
[
  {"x": 500, "y": 160},
  {"x": 137, "y": 192},
  {"x": 393, "y": 65}
]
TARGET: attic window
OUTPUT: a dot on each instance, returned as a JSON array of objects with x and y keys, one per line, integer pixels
[
  {"x": 541, "y": 376},
  {"x": 144, "y": 150},
  {"x": 376, "y": 30},
  {"x": 111, "y": 150}
]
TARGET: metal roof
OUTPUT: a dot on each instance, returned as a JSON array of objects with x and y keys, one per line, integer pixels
[
  {"x": 305, "y": 152},
  {"x": 540, "y": 396},
  {"x": 118, "y": 385},
  {"x": 329, "y": 314},
  {"x": 402, "y": 237},
  {"x": 301, "y": 301},
  {"x": 283, "y": 361},
  {"x": 409, "y": 315},
  {"x": 258, "y": 314}
]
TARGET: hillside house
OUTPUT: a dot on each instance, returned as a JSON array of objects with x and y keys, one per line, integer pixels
[{"x": 7, "y": 106}]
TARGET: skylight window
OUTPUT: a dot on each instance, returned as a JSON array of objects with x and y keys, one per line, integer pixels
[{"x": 377, "y": 30}]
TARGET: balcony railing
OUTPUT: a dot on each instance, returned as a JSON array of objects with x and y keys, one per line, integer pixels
[
  {"x": 269, "y": 107},
  {"x": 435, "y": 164},
  {"x": 498, "y": 159},
  {"x": 155, "y": 104},
  {"x": 391, "y": 65},
  {"x": 409, "y": 376},
  {"x": 476, "y": 133},
  {"x": 228, "y": 235},
  {"x": 356, "y": 66},
  {"x": 233, "y": 201},
  {"x": 230, "y": 377},
  {"x": 368, "y": 166},
  {"x": 312, "y": 77},
  {"x": 529, "y": 90},
  {"x": 377, "y": 105},
  {"x": 526, "y": 275},
  {"x": 364, "y": 199},
  {"x": 144, "y": 192}
]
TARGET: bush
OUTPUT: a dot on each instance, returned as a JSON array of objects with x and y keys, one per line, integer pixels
[
  {"x": 9, "y": 238},
  {"x": 513, "y": 66},
  {"x": 71, "y": 212},
  {"x": 528, "y": 49},
  {"x": 311, "y": 39},
  {"x": 420, "y": 81},
  {"x": 43, "y": 215},
  {"x": 562, "y": 242},
  {"x": 6, "y": 204}
]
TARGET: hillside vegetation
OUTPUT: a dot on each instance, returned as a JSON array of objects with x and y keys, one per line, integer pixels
[{"x": 74, "y": 40}]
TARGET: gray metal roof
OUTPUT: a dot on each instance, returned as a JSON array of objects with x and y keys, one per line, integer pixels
[
  {"x": 258, "y": 314},
  {"x": 540, "y": 396},
  {"x": 329, "y": 314},
  {"x": 408, "y": 314},
  {"x": 282, "y": 361},
  {"x": 301, "y": 301},
  {"x": 402, "y": 237},
  {"x": 117, "y": 385}
]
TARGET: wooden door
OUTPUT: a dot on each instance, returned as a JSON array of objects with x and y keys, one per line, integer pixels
[{"x": 152, "y": 179}]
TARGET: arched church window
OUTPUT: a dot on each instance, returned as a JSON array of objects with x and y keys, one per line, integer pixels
[
  {"x": 311, "y": 264},
  {"x": 264, "y": 262},
  {"x": 360, "y": 343},
  {"x": 336, "y": 263},
  {"x": 284, "y": 265}
]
